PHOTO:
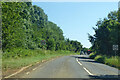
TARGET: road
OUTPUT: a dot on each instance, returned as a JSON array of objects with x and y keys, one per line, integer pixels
[{"x": 78, "y": 66}]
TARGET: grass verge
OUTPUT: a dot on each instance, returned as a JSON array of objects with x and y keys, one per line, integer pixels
[
  {"x": 18, "y": 62},
  {"x": 100, "y": 58},
  {"x": 111, "y": 61}
]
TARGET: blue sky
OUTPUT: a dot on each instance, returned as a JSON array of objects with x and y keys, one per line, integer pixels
[{"x": 76, "y": 19}]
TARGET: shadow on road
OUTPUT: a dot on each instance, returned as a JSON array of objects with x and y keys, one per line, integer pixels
[
  {"x": 89, "y": 61},
  {"x": 82, "y": 57},
  {"x": 85, "y": 59},
  {"x": 110, "y": 77}
]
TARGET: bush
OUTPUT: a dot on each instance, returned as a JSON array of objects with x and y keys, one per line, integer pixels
[
  {"x": 92, "y": 55},
  {"x": 100, "y": 58}
]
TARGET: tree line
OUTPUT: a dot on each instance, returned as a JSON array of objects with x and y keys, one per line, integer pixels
[
  {"x": 25, "y": 26},
  {"x": 107, "y": 34}
]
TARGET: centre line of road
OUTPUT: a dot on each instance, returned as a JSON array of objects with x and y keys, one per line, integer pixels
[
  {"x": 78, "y": 61},
  {"x": 84, "y": 67},
  {"x": 87, "y": 71}
]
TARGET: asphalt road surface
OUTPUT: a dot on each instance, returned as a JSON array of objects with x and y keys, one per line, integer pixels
[{"x": 78, "y": 66}]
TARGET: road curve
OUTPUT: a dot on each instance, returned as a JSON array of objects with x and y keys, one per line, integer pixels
[{"x": 72, "y": 67}]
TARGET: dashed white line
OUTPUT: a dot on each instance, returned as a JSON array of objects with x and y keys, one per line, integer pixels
[
  {"x": 78, "y": 61},
  {"x": 87, "y": 71},
  {"x": 84, "y": 67}
]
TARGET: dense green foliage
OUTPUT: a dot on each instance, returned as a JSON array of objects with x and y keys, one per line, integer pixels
[
  {"x": 92, "y": 55},
  {"x": 25, "y": 26},
  {"x": 106, "y": 34},
  {"x": 100, "y": 58},
  {"x": 113, "y": 61}
]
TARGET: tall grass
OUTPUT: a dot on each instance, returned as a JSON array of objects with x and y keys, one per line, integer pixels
[
  {"x": 113, "y": 61},
  {"x": 20, "y": 58}
]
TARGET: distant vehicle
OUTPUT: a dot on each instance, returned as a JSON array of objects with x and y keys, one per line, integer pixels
[{"x": 89, "y": 51}]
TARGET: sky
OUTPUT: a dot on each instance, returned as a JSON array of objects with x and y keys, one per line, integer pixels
[{"x": 76, "y": 19}]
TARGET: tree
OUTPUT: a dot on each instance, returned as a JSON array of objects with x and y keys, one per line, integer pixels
[
  {"x": 50, "y": 44},
  {"x": 25, "y": 25},
  {"x": 13, "y": 34},
  {"x": 106, "y": 34}
]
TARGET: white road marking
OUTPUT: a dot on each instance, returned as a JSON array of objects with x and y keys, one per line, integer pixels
[
  {"x": 27, "y": 72},
  {"x": 87, "y": 71},
  {"x": 84, "y": 67},
  {"x": 78, "y": 61}
]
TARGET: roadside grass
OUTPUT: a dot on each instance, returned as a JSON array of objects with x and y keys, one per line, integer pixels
[
  {"x": 31, "y": 57},
  {"x": 92, "y": 55},
  {"x": 111, "y": 61},
  {"x": 100, "y": 59}
]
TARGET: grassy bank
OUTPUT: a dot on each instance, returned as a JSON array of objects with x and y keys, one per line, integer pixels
[
  {"x": 26, "y": 57},
  {"x": 111, "y": 61}
]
